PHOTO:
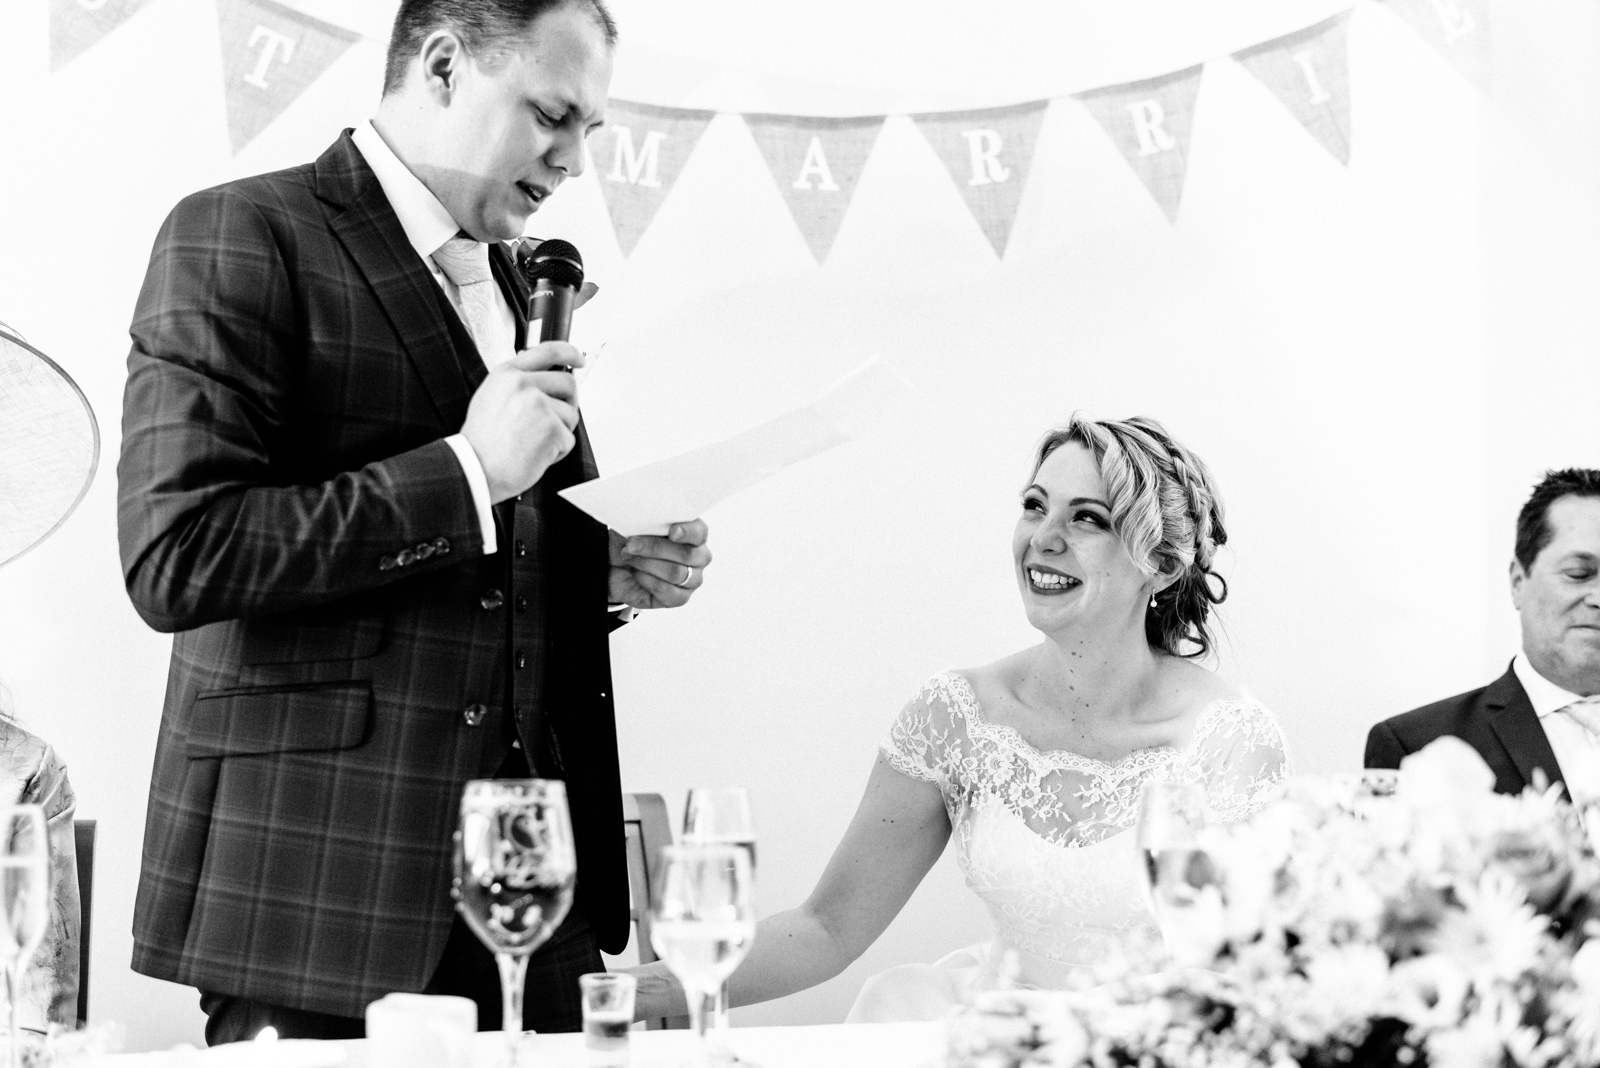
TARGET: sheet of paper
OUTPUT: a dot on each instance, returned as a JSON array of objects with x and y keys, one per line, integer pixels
[{"x": 649, "y": 499}]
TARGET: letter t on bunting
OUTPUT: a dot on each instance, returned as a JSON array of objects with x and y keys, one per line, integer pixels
[
  {"x": 987, "y": 154},
  {"x": 270, "y": 55},
  {"x": 1150, "y": 122},
  {"x": 637, "y": 157},
  {"x": 816, "y": 163}
]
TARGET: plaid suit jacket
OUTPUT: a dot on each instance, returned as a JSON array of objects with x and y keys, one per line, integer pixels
[{"x": 343, "y": 649}]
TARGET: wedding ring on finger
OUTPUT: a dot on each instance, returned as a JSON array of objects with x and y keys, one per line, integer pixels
[{"x": 688, "y": 573}]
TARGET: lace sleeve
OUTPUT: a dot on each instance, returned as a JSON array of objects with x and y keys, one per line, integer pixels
[
  {"x": 1241, "y": 756},
  {"x": 922, "y": 741}
]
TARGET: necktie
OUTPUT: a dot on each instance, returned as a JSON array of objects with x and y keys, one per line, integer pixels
[
  {"x": 1586, "y": 713},
  {"x": 465, "y": 263}
]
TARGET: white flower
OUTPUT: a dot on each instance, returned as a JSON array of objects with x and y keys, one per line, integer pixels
[
  {"x": 1445, "y": 773},
  {"x": 1476, "y": 1043},
  {"x": 1349, "y": 982},
  {"x": 1495, "y": 934},
  {"x": 1586, "y": 970},
  {"x": 1429, "y": 991}
]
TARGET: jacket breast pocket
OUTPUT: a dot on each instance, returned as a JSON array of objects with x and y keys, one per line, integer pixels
[{"x": 285, "y": 720}]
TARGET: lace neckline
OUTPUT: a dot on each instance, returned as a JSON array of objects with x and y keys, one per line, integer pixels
[{"x": 966, "y": 701}]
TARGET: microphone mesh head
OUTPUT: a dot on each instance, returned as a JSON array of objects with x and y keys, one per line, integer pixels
[{"x": 553, "y": 261}]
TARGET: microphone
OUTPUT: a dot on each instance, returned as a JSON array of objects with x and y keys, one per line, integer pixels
[{"x": 553, "y": 269}]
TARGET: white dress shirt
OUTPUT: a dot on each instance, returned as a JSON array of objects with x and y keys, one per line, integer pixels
[
  {"x": 427, "y": 226},
  {"x": 1577, "y": 751}
]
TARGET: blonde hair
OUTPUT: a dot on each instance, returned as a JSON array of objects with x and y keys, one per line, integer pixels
[{"x": 1166, "y": 510}]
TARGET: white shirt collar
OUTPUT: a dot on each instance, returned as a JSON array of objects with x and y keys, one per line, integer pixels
[
  {"x": 1545, "y": 696},
  {"x": 426, "y": 222}
]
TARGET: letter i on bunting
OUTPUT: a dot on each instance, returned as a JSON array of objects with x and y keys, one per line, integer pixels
[
  {"x": 270, "y": 55},
  {"x": 1150, "y": 122},
  {"x": 77, "y": 24},
  {"x": 1459, "y": 29},
  {"x": 1309, "y": 72},
  {"x": 987, "y": 154},
  {"x": 637, "y": 156},
  {"x": 816, "y": 163}
]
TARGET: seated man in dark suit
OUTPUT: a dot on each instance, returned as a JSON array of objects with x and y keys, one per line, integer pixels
[{"x": 1542, "y": 715}]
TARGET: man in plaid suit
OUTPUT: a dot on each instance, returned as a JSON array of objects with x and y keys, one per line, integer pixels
[{"x": 337, "y": 489}]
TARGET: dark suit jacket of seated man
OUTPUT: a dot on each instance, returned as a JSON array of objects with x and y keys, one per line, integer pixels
[
  {"x": 322, "y": 439},
  {"x": 1517, "y": 722}
]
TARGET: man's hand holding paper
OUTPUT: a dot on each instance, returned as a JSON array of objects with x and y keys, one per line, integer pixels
[{"x": 648, "y": 571}]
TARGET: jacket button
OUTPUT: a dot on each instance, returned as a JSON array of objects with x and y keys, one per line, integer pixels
[
  {"x": 406, "y": 557},
  {"x": 522, "y": 603},
  {"x": 473, "y": 714},
  {"x": 491, "y": 600},
  {"x": 386, "y": 564},
  {"x": 521, "y": 547},
  {"x": 425, "y": 550},
  {"x": 441, "y": 545},
  {"x": 522, "y": 660}
]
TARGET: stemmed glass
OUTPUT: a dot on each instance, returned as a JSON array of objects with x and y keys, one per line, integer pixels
[
  {"x": 721, "y": 816},
  {"x": 1181, "y": 875},
  {"x": 514, "y": 873},
  {"x": 24, "y": 899},
  {"x": 704, "y": 922}
]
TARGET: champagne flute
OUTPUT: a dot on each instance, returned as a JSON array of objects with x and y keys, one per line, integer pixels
[
  {"x": 1181, "y": 875},
  {"x": 703, "y": 925},
  {"x": 515, "y": 868},
  {"x": 721, "y": 816},
  {"x": 24, "y": 899}
]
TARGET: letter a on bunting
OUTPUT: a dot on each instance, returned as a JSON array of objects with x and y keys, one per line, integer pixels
[
  {"x": 816, "y": 163},
  {"x": 1150, "y": 122},
  {"x": 77, "y": 24},
  {"x": 1309, "y": 73},
  {"x": 637, "y": 157},
  {"x": 270, "y": 54},
  {"x": 987, "y": 154}
]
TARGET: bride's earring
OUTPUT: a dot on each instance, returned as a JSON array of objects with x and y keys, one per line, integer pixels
[{"x": 1152, "y": 602}]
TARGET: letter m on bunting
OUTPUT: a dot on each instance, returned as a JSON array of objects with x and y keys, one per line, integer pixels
[{"x": 637, "y": 157}]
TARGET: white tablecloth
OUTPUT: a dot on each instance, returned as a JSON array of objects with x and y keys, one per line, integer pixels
[{"x": 911, "y": 1045}]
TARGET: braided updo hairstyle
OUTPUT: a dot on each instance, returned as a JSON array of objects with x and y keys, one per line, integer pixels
[{"x": 1166, "y": 510}]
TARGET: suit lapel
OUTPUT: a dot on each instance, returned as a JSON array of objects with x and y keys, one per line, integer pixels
[
  {"x": 377, "y": 245},
  {"x": 1514, "y": 722}
]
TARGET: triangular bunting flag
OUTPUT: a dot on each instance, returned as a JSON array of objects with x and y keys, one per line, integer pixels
[
  {"x": 1309, "y": 72},
  {"x": 637, "y": 156},
  {"x": 816, "y": 163},
  {"x": 1459, "y": 29},
  {"x": 77, "y": 24},
  {"x": 987, "y": 154},
  {"x": 1150, "y": 121},
  {"x": 270, "y": 55}
]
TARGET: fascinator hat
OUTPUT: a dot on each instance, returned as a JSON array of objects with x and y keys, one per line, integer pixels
[{"x": 49, "y": 445}]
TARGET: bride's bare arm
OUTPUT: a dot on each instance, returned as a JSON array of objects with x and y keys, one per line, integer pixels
[{"x": 898, "y": 831}]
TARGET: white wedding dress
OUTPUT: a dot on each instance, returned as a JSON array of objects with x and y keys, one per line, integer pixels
[{"x": 1045, "y": 838}]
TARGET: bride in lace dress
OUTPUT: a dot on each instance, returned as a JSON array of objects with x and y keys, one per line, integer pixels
[{"x": 1034, "y": 763}]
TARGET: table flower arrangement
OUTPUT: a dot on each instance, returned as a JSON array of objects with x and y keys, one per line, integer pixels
[{"x": 1442, "y": 925}]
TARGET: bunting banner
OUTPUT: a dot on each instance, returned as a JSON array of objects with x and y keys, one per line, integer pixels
[
  {"x": 77, "y": 24},
  {"x": 816, "y": 163},
  {"x": 638, "y": 155},
  {"x": 1458, "y": 29},
  {"x": 1309, "y": 72},
  {"x": 1150, "y": 122},
  {"x": 987, "y": 153},
  {"x": 270, "y": 55}
]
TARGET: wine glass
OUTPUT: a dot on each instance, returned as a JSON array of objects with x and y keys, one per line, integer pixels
[
  {"x": 721, "y": 816},
  {"x": 704, "y": 921},
  {"x": 24, "y": 899},
  {"x": 514, "y": 873},
  {"x": 1182, "y": 876}
]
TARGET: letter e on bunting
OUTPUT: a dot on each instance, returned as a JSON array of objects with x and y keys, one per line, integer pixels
[
  {"x": 1151, "y": 122},
  {"x": 270, "y": 55},
  {"x": 77, "y": 24},
  {"x": 1309, "y": 72},
  {"x": 637, "y": 157},
  {"x": 987, "y": 153},
  {"x": 1459, "y": 29},
  {"x": 816, "y": 163}
]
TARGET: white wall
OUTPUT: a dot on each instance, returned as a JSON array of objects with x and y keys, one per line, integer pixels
[{"x": 1376, "y": 360}]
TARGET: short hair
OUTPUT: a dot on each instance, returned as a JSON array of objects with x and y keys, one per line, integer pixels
[
  {"x": 489, "y": 28},
  {"x": 1166, "y": 510},
  {"x": 1533, "y": 528}
]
